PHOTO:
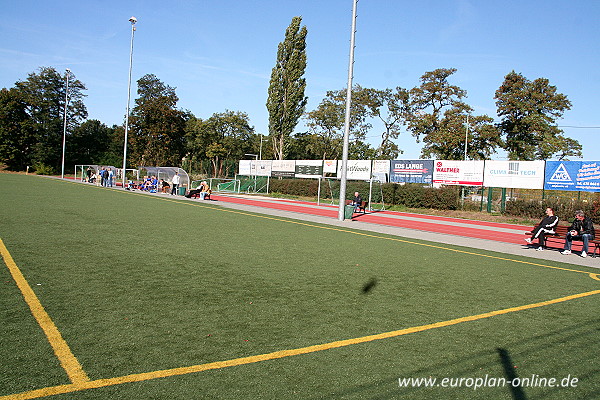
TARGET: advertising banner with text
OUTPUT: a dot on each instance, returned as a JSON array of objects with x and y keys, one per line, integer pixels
[
  {"x": 309, "y": 168},
  {"x": 573, "y": 175},
  {"x": 411, "y": 171},
  {"x": 359, "y": 170},
  {"x": 330, "y": 166},
  {"x": 514, "y": 174},
  {"x": 381, "y": 170},
  {"x": 244, "y": 168},
  {"x": 283, "y": 168},
  {"x": 449, "y": 172},
  {"x": 260, "y": 167}
]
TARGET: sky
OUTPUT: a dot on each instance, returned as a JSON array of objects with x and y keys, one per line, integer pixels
[{"x": 219, "y": 54}]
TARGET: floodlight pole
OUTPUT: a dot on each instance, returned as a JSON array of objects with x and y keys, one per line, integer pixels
[
  {"x": 133, "y": 20},
  {"x": 255, "y": 167},
  {"x": 466, "y": 136},
  {"x": 255, "y": 159},
  {"x": 260, "y": 149},
  {"x": 64, "y": 141},
  {"x": 343, "y": 176},
  {"x": 462, "y": 195}
]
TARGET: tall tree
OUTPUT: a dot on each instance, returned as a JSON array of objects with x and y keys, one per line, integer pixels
[
  {"x": 17, "y": 133},
  {"x": 44, "y": 93},
  {"x": 157, "y": 126},
  {"x": 93, "y": 142},
  {"x": 286, "y": 100},
  {"x": 457, "y": 128},
  {"x": 391, "y": 108},
  {"x": 326, "y": 122},
  {"x": 223, "y": 136},
  {"x": 438, "y": 116},
  {"x": 428, "y": 101},
  {"x": 529, "y": 110}
]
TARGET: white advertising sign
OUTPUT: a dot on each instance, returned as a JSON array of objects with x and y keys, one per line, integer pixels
[
  {"x": 514, "y": 174},
  {"x": 244, "y": 167},
  {"x": 330, "y": 166},
  {"x": 357, "y": 169},
  {"x": 283, "y": 165},
  {"x": 309, "y": 168},
  {"x": 260, "y": 167},
  {"x": 283, "y": 168},
  {"x": 381, "y": 170},
  {"x": 450, "y": 172},
  {"x": 381, "y": 166}
]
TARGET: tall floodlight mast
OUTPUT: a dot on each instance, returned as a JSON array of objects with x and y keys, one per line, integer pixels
[
  {"x": 133, "y": 20},
  {"x": 347, "y": 119},
  {"x": 64, "y": 142}
]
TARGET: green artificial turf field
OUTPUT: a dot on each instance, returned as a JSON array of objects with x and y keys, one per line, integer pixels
[{"x": 157, "y": 297}]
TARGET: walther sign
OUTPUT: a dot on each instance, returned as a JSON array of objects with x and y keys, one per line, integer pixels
[{"x": 469, "y": 173}]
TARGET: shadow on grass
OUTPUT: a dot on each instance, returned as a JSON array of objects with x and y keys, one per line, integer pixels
[
  {"x": 510, "y": 374},
  {"x": 477, "y": 363},
  {"x": 370, "y": 285}
]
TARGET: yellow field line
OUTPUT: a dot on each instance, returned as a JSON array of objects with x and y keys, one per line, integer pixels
[
  {"x": 99, "y": 383},
  {"x": 68, "y": 361}
]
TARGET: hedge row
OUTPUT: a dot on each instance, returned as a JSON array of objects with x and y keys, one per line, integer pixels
[
  {"x": 409, "y": 195},
  {"x": 565, "y": 209}
]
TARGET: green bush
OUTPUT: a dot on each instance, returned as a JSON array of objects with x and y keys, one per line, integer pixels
[
  {"x": 43, "y": 169},
  {"x": 409, "y": 195},
  {"x": 295, "y": 187},
  {"x": 565, "y": 210}
]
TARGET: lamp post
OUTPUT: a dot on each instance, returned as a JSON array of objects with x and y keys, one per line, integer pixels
[
  {"x": 255, "y": 160},
  {"x": 133, "y": 20},
  {"x": 261, "y": 142},
  {"x": 343, "y": 176},
  {"x": 255, "y": 167},
  {"x": 253, "y": 155},
  {"x": 62, "y": 174},
  {"x": 466, "y": 136}
]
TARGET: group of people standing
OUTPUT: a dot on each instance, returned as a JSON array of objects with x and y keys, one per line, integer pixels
[
  {"x": 104, "y": 177},
  {"x": 582, "y": 229}
]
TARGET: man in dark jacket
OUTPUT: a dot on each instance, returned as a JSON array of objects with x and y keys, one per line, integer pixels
[
  {"x": 581, "y": 229},
  {"x": 546, "y": 226}
]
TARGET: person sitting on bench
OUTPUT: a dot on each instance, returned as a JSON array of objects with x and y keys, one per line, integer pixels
[
  {"x": 357, "y": 201},
  {"x": 546, "y": 226},
  {"x": 203, "y": 190},
  {"x": 581, "y": 229},
  {"x": 164, "y": 186}
]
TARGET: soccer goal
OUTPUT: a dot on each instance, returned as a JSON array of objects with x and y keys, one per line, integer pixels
[{"x": 223, "y": 185}]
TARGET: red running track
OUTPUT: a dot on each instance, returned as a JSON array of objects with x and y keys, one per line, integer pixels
[{"x": 427, "y": 223}]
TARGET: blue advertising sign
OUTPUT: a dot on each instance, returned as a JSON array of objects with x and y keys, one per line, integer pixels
[
  {"x": 572, "y": 175},
  {"x": 411, "y": 171}
]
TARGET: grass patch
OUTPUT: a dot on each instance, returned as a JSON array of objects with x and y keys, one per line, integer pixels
[{"x": 139, "y": 283}]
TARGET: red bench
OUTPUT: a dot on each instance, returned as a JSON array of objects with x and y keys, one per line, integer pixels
[
  {"x": 362, "y": 206},
  {"x": 197, "y": 195},
  {"x": 560, "y": 235}
]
